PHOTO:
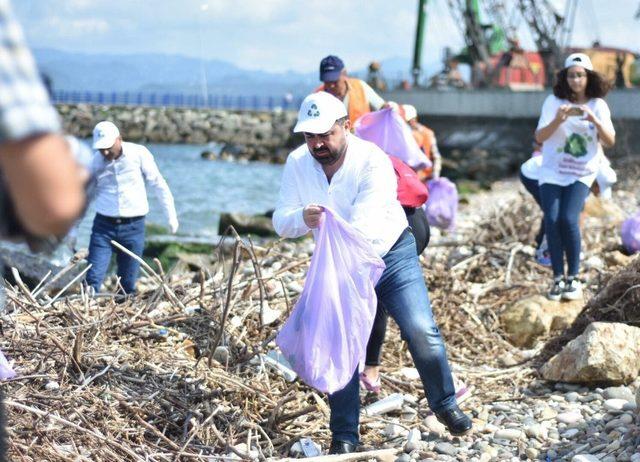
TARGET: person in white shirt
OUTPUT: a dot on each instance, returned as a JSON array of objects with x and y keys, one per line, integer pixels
[
  {"x": 121, "y": 170},
  {"x": 356, "y": 179},
  {"x": 574, "y": 125}
]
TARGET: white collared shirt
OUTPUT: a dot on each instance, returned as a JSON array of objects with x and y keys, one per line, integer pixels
[
  {"x": 363, "y": 191},
  {"x": 121, "y": 184}
]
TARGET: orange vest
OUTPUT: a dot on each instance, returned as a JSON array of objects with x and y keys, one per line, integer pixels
[
  {"x": 424, "y": 136},
  {"x": 358, "y": 103}
]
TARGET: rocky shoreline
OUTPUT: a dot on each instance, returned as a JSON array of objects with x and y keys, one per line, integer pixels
[
  {"x": 254, "y": 136},
  {"x": 267, "y": 136}
]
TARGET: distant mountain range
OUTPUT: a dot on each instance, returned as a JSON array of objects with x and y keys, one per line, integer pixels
[{"x": 150, "y": 72}]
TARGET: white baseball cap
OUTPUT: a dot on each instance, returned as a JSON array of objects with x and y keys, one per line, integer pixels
[
  {"x": 410, "y": 112},
  {"x": 105, "y": 134},
  {"x": 318, "y": 112},
  {"x": 578, "y": 59}
]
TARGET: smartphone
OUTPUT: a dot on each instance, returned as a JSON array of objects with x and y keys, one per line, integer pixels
[{"x": 575, "y": 111}]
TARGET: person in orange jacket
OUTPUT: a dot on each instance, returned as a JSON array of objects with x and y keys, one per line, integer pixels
[
  {"x": 426, "y": 139},
  {"x": 357, "y": 95}
]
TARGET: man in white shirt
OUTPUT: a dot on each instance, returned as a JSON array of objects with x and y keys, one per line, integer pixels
[
  {"x": 121, "y": 171},
  {"x": 356, "y": 179}
]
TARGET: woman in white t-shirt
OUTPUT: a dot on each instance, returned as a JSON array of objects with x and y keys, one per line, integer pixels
[{"x": 574, "y": 125}]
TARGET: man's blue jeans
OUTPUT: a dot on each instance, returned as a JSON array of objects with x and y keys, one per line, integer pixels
[
  {"x": 129, "y": 232},
  {"x": 562, "y": 206},
  {"x": 403, "y": 292}
]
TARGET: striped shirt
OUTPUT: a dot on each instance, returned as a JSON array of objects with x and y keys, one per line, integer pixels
[{"x": 25, "y": 109}]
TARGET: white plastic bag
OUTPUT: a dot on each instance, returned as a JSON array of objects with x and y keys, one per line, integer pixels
[{"x": 326, "y": 335}]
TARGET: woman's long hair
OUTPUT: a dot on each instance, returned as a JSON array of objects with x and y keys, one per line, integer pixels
[{"x": 597, "y": 86}]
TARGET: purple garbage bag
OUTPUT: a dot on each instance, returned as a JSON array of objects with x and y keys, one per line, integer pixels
[
  {"x": 631, "y": 233},
  {"x": 325, "y": 338},
  {"x": 442, "y": 206},
  {"x": 6, "y": 371},
  {"x": 392, "y": 134}
]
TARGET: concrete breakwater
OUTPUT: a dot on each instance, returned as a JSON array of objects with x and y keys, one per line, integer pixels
[{"x": 259, "y": 136}]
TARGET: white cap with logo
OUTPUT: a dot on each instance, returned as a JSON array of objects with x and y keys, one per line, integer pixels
[
  {"x": 318, "y": 112},
  {"x": 105, "y": 134},
  {"x": 578, "y": 59}
]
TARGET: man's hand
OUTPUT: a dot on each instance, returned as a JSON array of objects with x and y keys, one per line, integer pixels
[{"x": 311, "y": 215}]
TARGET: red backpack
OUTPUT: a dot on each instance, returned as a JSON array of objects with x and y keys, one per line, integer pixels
[{"x": 411, "y": 191}]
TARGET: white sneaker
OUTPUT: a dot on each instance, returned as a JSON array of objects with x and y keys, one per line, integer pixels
[
  {"x": 572, "y": 290},
  {"x": 557, "y": 289}
]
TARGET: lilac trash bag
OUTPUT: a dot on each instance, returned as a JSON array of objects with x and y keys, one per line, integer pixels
[
  {"x": 630, "y": 232},
  {"x": 442, "y": 206},
  {"x": 326, "y": 336},
  {"x": 6, "y": 371},
  {"x": 390, "y": 132}
]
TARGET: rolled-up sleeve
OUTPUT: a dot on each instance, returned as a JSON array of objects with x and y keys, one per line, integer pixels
[
  {"x": 287, "y": 218},
  {"x": 25, "y": 109}
]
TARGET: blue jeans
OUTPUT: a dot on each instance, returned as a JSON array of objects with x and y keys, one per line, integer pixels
[
  {"x": 562, "y": 206},
  {"x": 403, "y": 292},
  {"x": 533, "y": 188},
  {"x": 128, "y": 232},
  {"x": 421, "y": 233}
]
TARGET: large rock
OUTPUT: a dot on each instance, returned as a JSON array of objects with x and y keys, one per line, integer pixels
[
  {"x": 258, "y": 225},
  {"x": 605, "y": 352},
  {"x": 530, "y": 318}
]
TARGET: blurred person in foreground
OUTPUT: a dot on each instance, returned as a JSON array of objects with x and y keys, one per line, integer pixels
[
  {"x": 41, "y": 189},
  {"x": 356, "y": 179},
  {"x": 121, "y": 170}
]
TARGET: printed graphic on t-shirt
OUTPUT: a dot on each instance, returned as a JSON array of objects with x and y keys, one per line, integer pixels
[{"x": 576, "y": 145}]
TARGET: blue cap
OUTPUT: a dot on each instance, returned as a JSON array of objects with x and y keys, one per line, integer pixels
[{"x": 330, "y": 68}]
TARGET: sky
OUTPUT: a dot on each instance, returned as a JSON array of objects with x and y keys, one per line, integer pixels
[{"x": 284, "y": 35}]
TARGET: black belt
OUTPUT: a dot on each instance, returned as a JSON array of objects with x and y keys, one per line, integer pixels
[{"x": 119, "y": 220}]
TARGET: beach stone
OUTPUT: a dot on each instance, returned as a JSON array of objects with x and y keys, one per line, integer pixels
[
  {"x": 604, "y": 352},
  {"x": 569, "y": 418},
  {"x": 635, "y": 457},
  {"x": 570, "y": 433},
  {"x": 413, "y": 440},
  {"x": 445, "y": 448},
  {"x": 532, "y": 317},
  {"x": 548, "y": 413},
  {"x": 614, "y": 404},
  {"x": 536, "y": 431},
  {"x": 572, "y": 396},
  {"x": 619, "y": 393},
  {"x": 584, "y": 458},
  {"x": 509, "y": 434},
  {"x": 403, "y": 458},
  {"x": 431, "y": 422},
  {"x": 532, "y": 453}
]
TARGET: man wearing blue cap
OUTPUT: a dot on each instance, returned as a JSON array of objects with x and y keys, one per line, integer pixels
[
  {"x": 121, "y": 204},
  {"x": 358, "y": 97},
  {"x": 355, "y": 178}
]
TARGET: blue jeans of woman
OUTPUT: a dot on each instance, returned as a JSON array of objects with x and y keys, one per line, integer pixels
[
  {"x": 562, "y": 206},
  {"x": 403, "y": 292},
  {"x": 128, "y": 232},
  {"x": 533, "y": 188}
]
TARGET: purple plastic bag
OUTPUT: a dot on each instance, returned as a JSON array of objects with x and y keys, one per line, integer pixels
[
  {"x": 630, "y": 232},
  {"x": 326, "y": 336},
  {"x": 393, "y": 135},
  {"x": 6, "y": 371},
  {"x": 442, "y": 206}
]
